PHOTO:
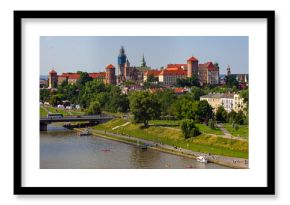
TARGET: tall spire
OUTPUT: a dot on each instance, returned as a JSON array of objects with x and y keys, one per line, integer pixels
[
  {"x": 122, "y": 50},
  {"x": 143, "y": 63},
  {"x": 228, "y": 70}
]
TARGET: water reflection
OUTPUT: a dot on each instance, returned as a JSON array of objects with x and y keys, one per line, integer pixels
[{"x": 63, "y": 149}]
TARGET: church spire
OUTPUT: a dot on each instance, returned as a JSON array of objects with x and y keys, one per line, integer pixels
[
  {"x": 143, "y": 63},
  {"x": 228, "y": 70}
]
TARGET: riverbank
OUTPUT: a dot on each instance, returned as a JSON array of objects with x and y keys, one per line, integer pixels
[{"x": 232, "y": 162}]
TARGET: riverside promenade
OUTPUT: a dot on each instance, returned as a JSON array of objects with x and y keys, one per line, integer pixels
[{"x": 233, "y": 162}]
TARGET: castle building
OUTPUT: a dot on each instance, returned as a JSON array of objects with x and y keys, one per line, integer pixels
[
  {"x": 192, "y": 67},
  {"x": 126, "y": 72},
  {"x": 241, "y": 78},
  {"x": 206, "y": 73},
  {"x": 122, "y": 59},
  {"x": 52, "y": 79},
  {"x": 110, "y": 75}
]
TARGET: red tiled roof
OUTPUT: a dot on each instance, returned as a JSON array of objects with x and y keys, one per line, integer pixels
[
  {"x": 52, "y": 71},
  {"x": 174, "y": 68},
  {"x": 76, "y": 75},
  {"x": 179, "y": 90},
  {"x": 110, "y": 66},
  {"x": 173, "y": 72},
  {"x": 209, "y": 65},
  {"x": 192, "y": 59},
  {"x": 70, "y": 75},
  {"x": 97, "y": 75},
  {"x": 155, "y": 73},
  {"x": 176, "y": 65}
]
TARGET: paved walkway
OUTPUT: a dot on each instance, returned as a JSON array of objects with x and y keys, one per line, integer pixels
[
  {"x": 228, "y": 135},
  {"x": 223, "y": 160},
  {"x": 125, "y": 124}
]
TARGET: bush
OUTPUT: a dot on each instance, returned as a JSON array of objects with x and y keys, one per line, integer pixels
[
  {"x": 211, "y": 123},
  {"x": 95, "y": 108},
  {"x": 189, "y": 129},
  {"x": 221, "y": 114}
]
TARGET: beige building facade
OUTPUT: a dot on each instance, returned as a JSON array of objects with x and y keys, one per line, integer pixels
[{"x": 229, "y": 101}]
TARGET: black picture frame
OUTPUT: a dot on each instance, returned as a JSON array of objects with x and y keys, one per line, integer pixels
[{"x": 19, "y": 189}]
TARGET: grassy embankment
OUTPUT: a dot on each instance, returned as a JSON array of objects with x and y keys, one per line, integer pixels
[
  {"x": 243, "y": 130},
  {"x": 168, "y": 132},
  {"x": 43, "y": 111}
]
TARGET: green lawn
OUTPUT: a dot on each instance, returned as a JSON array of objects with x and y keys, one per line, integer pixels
[
  {"x": 207, "y": 130},
  {"x": 176, "y": 123},
  {"x": 43, "y": 112},
  {"x": 243, "y": 130},
  {"x": 173, "y": 136}
]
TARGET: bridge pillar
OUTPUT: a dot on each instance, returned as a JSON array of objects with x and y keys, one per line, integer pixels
[{"x": 43, "y": 127}]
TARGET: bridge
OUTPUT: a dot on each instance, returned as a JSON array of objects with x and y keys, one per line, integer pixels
[{"x": 80, "y": 118}]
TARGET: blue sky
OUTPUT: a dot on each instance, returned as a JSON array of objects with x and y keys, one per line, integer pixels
[{"x": 94, "y": 53}]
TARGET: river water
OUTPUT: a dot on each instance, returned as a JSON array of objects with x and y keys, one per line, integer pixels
[{"x": 63, "y": 149}]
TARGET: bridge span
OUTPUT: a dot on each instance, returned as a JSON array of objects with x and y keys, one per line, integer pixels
[{"x": 80, "y": 118}]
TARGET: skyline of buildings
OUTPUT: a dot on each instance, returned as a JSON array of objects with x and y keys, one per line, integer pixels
[
  {"x": 92, "y": 54},
  {"x": 206, "y": 73}
]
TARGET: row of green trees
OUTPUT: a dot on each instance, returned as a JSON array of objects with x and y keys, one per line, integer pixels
[
  {"x": 94, "y": 97},
  {"x": 90, "y": 94}
]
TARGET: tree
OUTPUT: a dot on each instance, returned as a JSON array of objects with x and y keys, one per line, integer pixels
[
  {"x": 211, "y": 123},
  {"x": 231, "y": 81},
  {"x": 117, "y": 102},
  {"x": 166, "y": 98},
  {"x": 90, "y": 92},
  {"x": 235, "y": 126},
  {"x": 55, "y": 100},
  {"x": 44, "y": 95},
  {"x": 204, "y": 111},
  {"x": 151, "y": 79},
  {"x": 245, "y": 95},
  {"x": 232, "y": 116},
  {"x": 184, "y": 108},
  {"x": 183, "y": 82},
  {"x": 144, "y": 106},
  {"x": 216, "y": 65},
  {"x": 240, "y": 118},
  {"x": 189, "y": 129},
  {"x": 94, "y": 108},
  {"x": 196, "y": 92},
  {"x": 221, "y": 114},
  {"x": 84, "y": 77}
]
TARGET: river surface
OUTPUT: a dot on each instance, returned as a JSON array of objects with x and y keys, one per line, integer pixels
[{"x": 63, "y": 149}]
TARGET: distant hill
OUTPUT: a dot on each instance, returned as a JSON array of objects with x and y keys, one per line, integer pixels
[{"x": 43, "y": 77}]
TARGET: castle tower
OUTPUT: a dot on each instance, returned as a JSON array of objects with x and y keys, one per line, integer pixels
[
  {"x": 52, "y": 79},
  {"x": 110, "y": 75},
  {"x": 192, "y": 67},
  {"x": 121, "y": 64},
  {"x": 228, "y": 70},
  {"x": 127, "y": 70}
]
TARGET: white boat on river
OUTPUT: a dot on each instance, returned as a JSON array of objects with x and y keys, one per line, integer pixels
[{"x": 201, "y": 159}]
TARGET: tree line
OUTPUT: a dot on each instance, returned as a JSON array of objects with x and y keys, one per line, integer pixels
[{"x": 94, "y": 97}]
